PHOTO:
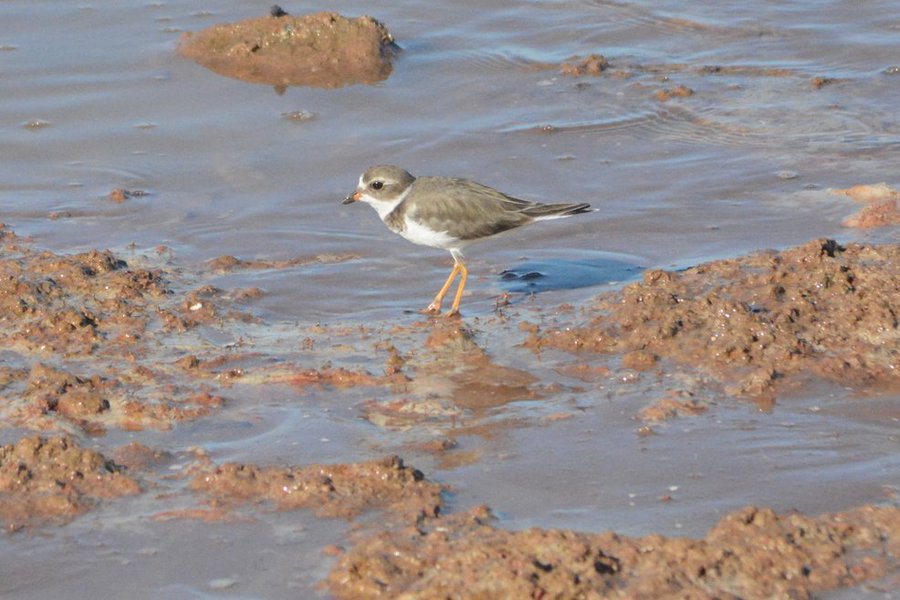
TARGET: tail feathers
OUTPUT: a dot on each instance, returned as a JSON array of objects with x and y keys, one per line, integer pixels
[{"x": 555, "y": 211}]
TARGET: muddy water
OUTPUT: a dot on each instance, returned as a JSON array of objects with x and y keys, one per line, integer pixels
[{"x": 788, "y": 102}]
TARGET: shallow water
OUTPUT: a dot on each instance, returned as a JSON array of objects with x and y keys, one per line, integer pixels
[{"x": 94, "y": 98}]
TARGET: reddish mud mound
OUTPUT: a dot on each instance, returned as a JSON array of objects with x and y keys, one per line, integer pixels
[
  {"x": 751, "y": 553},
  {"x": 341, "y": 490},
  {"x": 69, "y": 305},
  {"x": 54, "y": 480},
  {"x": 593, "y": 64},
  {"x": 321, "y": 50},
  {"x": 881, "y": 206},
  {"x": 819, "y": 308},
  {"x": 85, "y": 333}
]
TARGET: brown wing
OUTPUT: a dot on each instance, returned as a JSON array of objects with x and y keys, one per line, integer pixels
[
  {"x": 470, "y": 210},
  {"x": 466, "y": 209}
]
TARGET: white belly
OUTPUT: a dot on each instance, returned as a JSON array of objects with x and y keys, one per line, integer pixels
[{"x": 418, "y": 234}]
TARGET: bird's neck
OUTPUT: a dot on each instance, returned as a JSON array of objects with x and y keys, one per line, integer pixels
[
  {"x": 396, "y": 219},
  {"x": 393, "y": 213}
]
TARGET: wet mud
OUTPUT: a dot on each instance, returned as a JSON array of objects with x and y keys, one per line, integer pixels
[
  {"x": 758, "y": 322},
  {"x": 751, "y": 325},
  {"x": 227, "y": 264},
  {"x": 67, "y": 305},
  {"x": 259, "y": 423},
  {"x": 324, "y": 50},
  {"x": 52, "y": 480},
  {"x": 750, "y": 553},
  {"x": 96, "y": 344},
  {"x": 451, "y": 380},
  {"x": 593, "y": 65},
  {"x": 81, "y": 333},
  {"x": 338, "y": 490},
  {"x": 881, "y": 206}
]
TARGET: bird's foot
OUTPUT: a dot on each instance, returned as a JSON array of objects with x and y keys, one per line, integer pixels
[{"x": 431, "y": 309}]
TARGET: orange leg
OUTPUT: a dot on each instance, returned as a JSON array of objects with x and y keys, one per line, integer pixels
[
  {"x": 435, "y": 307},
  {"x": 454, "y": 310}
]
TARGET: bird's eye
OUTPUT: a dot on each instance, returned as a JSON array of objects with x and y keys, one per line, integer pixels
[{"x": 377, "y": 184}]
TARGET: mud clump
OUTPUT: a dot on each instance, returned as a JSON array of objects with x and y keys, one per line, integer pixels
[
  {"x": 818, "y": 83},
  {"x": 83, "y": 334},
  {"x": 751, "y": 553},
  {"x": 881, "y": 206},
  {"x": 69, "y": 305},
  {"x": 324, "y": 50},
  {"x": 51, "y": 398},
  {"x": 76, "y": 398},
  {"x": 671, "y": 406},
  {"x": 679, "y": 91},
  {"x": 54, "y": 480},
  {"x": 593, "y": 65},
  {"x": 819, "y": 308},
  {"x": 340, "y": 490},
  {"x": 120, "y": 195}
]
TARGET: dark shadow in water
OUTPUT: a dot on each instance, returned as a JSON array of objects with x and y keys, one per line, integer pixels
[{"x": 560, "y": 274}]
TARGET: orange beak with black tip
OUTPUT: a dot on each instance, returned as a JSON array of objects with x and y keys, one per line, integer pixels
[{"x": 354, "y": 197}]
